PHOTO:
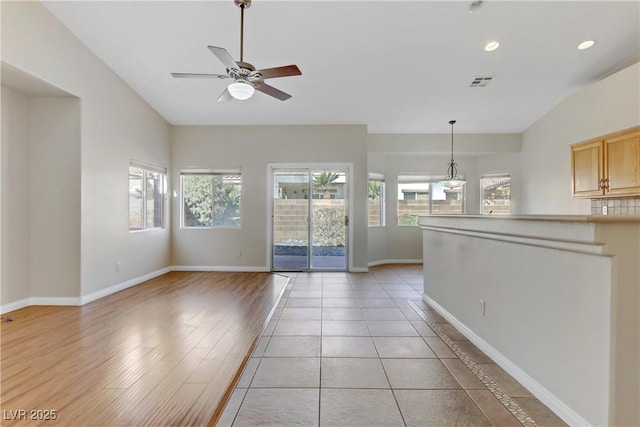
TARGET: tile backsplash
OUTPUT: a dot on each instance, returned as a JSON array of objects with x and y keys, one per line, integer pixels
[{"x": 621, "y": 206}]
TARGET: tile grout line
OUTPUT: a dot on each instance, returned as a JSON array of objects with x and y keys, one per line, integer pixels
[
  {"x": 386, "y": 375},
  {"x": 512, "y": 406},
  {"x": 320, "y": 356}
]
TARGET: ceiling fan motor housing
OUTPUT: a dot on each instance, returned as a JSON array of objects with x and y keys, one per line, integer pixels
[
  {"x": 245, "y": 4},
  {"x": 244, "y": 73}
]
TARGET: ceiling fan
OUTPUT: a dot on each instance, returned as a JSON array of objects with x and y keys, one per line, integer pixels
[{"x": 246, "y": 79}]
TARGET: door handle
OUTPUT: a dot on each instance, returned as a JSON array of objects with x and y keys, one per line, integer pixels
[{"x": 346, "y": 220}]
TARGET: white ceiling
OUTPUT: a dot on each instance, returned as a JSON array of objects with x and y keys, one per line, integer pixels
[{"x": 398, "y": 67}]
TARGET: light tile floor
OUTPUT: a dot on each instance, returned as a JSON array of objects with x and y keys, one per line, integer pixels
[{"x": 349, "y": 349}]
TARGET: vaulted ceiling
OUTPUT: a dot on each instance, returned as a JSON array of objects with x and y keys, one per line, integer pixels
[{"x": 396, "y": 66}]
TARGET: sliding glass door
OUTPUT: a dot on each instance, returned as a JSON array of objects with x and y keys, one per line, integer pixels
[
  {"x": 290, "y": 219},
  {"x": 329, "y": 220},
  {"x": 310, "y": 219}
]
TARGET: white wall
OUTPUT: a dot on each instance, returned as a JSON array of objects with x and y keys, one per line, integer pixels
[
  {"x": 116, "y": 126},
  {"x": 54, "y": 144},
  {"x": 548, "y": 288},
  {"x": 607, "y": 106},
  {"x": 41, "y": 196},
  {"x": 16, "y": 200},
  {"x": 252, "y": 148},
  {"x": 624, "y": 244}
]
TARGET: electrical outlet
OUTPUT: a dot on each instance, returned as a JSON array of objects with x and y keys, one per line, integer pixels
[
  {"x": 118, "y": 265},
  {"x": 482, "y": 307},
  {"x": 605, "y": 209},
  {"x": 238, "y": 253}
]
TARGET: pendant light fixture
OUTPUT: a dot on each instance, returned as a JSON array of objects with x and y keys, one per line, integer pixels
[{"x": 452, "y": 179}]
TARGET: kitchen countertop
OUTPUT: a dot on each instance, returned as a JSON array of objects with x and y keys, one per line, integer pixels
[{"x": 553, "y": 218}]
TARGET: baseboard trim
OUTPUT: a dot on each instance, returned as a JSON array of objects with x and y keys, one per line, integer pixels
[
  {"x": 236, "y": 268},
  {"x": 545, "y": 396},
  {"x": 55, "y": 301},
  {"x": 16, "y": 305},
  {"x": 122, "y": 286},
  {"x": 395, "y": 261},
  {"x": 75, "y": 301}
]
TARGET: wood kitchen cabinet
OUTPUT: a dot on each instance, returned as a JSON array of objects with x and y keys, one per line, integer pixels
[{"x": 608, "y": 166}]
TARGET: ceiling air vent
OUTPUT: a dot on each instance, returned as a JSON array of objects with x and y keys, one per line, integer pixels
[{"x": 481, "y": 81}]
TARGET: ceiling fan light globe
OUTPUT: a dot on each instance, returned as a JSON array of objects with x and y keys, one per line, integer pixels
[{"x": 241, "y": 91}]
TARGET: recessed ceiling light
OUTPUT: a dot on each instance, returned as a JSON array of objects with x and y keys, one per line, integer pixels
[
  {"x": 475, "y": 6},
  {"x": 586, "y": 44},
  {"x": 491, "y": 46}
]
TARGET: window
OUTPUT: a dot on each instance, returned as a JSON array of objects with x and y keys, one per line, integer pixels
[
  {"x": 496, "y": 194},
  {"x": 423, "y": 195},
  {"x": 146, "y": 197},
  {"x": 445, "y": 200},
  {"x": 413, "y": 198},
  {"x": 376, "y": 200},
  {"x": 211, "y": 200}
]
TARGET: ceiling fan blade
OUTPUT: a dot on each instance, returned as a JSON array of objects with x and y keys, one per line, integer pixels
[
  {"x": 224, "y": 57},
  {"x": 285, "y": 71},
  {"x": 272, "y": 91},
  {"x": 212, "y": 76},
  {"x": 225, "y": 96}
]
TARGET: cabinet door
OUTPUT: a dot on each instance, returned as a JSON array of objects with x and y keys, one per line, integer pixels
[
  {"x": 622, "y": 164},
  {"x": 586, "y": 169}
]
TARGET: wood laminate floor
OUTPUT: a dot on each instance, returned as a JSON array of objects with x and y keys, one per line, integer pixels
[{"x": 163, "y": 353}]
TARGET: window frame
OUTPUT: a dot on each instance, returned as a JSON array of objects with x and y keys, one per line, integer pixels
[
  {"x": 503, "y": 175},
  {"x": 211, "y": 174},
  {"x": 147, "y": 170},
  {"x": 378, "y": 178}
]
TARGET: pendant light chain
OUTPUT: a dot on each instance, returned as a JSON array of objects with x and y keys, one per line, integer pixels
[{"x": 452, "y": 172}]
